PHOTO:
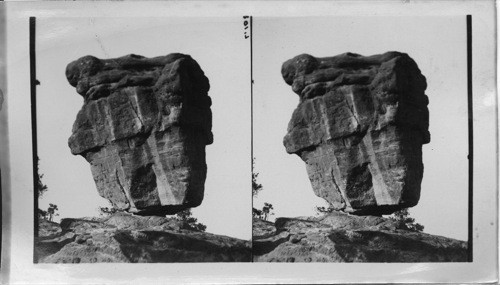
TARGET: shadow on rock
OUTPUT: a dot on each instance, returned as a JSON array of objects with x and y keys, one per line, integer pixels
[
  {"x": 155, "y": 246},
  {"x": 127, "y": 238},
  {"x": 339, "y": 237}
]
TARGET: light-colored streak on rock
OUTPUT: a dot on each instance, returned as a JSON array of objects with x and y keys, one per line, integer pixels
[
  {"x": 165, "y": 193},
  {"x": 379, "y": 187},
  {"x": 121, "y": 181},
  {"x": 335, "y": 170},
  {"x": 349, "y": 97},
  {"x": 111, "y": 128},
  {"x": 135, "y": 107}
]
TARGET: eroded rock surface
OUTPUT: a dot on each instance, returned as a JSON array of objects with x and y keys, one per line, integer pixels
[
  {"x": 359, "y": 127},
  {"x": 136, "y": 239},
  {"x": 143, "y": 128},
  {"x": 339, "y": 237}
]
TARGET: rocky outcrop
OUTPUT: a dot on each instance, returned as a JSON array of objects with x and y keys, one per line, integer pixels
[
  {"x": 143, "y": 128},
  {"x": 137, "y": 239},
  {"x": 339, "y": 237},
  {"x": 359, "y": 127}
]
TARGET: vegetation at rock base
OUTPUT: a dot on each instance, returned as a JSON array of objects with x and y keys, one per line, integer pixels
[
  {"x": 107, "y": 211},
  {"x": 402, "y": 217},
  {"x": 50, "y": 213},
  {"x": 41, "y": 188},
  {"x": 189, "y": 222},
  {"x": 405, "y": 221},
  {"x": 266, "y": 210},
  {"x": 324, "y": 210},
  {"x": 256, "y": 186},
  {"x": 264, "y": 213},
  {"x": 185, "y": 217}
]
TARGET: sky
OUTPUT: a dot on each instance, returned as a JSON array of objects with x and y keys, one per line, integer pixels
[
  {"x": 438, "y": 46},
  {"x": 217, "y": 44}
]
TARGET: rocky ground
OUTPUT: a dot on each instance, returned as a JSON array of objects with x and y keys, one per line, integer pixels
[
  {"x": 127, "y": 238},
  {"x": 339, "y": 237}
]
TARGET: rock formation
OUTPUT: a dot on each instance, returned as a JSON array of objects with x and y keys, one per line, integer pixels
[
  {"x": 359, "y": 127},
  {"x": 340, "y": 237},
  {"x": 143, "y": 128},
  {"x": 136, "y": 239}
]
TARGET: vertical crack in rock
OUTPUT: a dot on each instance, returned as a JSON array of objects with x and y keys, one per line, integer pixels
[
  {"x": 359, "y": 127},
  {"x": 344, "y": 202},
  {"x": 125, "y": 193},
  {"x": 136, "y": 110},
  {"x": 143, "y": 128},
  {"x": 350, "y": 105}
]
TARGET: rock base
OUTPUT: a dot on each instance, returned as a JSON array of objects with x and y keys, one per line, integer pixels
[
  {"x": 339, "y": 237},
  {"x": 127, "y": 238}
]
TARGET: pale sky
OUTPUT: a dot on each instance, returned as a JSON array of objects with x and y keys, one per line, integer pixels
[
  {"x": 438, "y": 46},
  {"x": 222, "y": 52}
]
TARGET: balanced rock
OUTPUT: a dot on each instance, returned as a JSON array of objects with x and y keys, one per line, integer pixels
[
  {"x": 143, "y": 128},
  {"x": 359, "y": 127}
]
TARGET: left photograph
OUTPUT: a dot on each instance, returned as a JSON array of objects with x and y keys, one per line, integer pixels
[{"x": 143, "y": 138}]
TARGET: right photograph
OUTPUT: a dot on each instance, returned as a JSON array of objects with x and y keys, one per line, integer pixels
[{"x": 361, "y": 139}]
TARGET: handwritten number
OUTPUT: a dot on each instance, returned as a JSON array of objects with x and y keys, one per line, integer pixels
[{"x": 246, "y": 25}]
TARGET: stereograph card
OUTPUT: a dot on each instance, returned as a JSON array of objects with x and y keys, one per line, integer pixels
[{"x": 250, "y": 142}]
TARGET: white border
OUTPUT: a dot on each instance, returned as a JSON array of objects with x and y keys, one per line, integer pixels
[{"x": 19, "y": 269}]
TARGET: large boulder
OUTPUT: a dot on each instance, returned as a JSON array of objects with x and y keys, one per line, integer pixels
[
  {"x": 340, "y": 237},
  {"x": 143, "y": 128},
  {"x": 359, "y": 127}
]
